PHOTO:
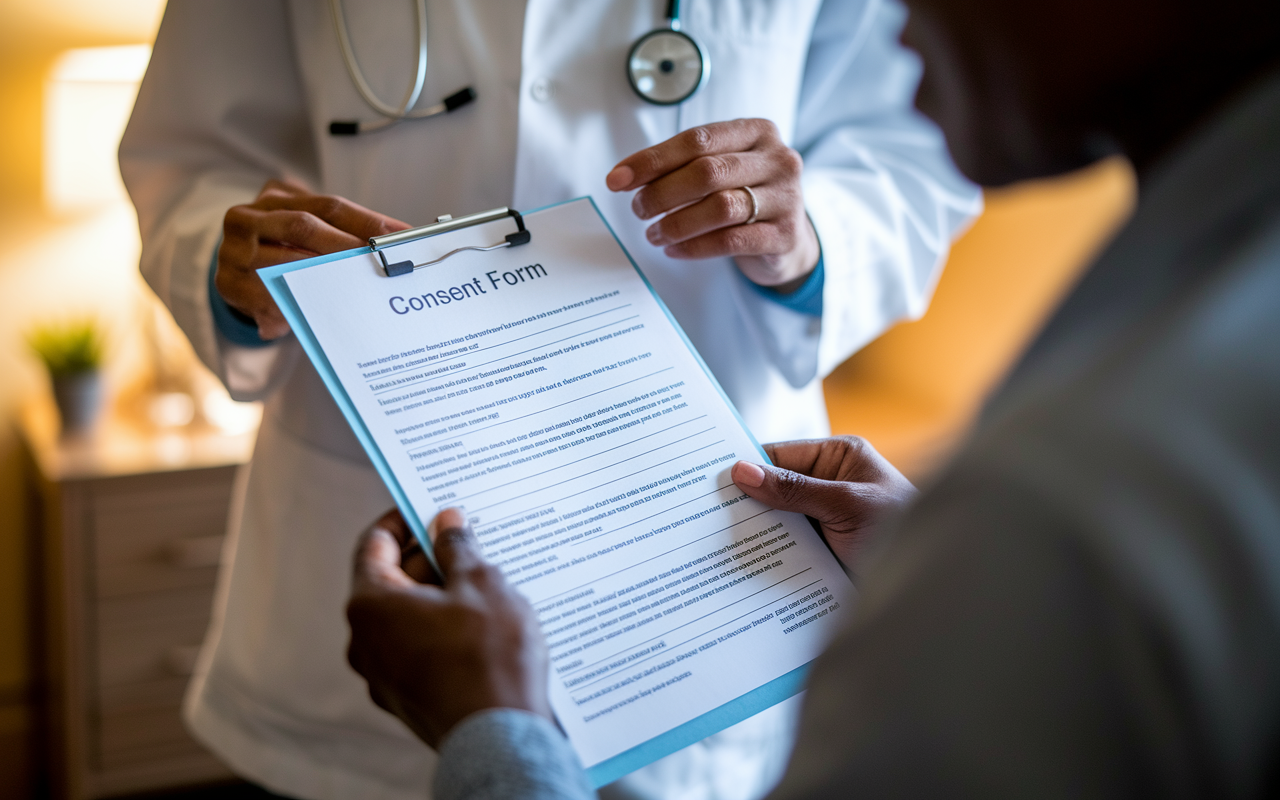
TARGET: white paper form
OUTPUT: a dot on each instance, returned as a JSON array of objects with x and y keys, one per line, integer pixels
[{"x": 546, "y": 391}]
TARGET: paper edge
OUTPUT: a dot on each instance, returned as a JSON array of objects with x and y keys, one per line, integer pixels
[
  {"x": 695, "y": 730},
  {"x": 273, "y": 277},
  {"x": 688, "y": 344}
]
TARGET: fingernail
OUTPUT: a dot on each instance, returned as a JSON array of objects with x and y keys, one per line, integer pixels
[
  {"x": 637, "y": 207},
  {"x": 748, "y": 474},
  {"x": 654, "y": 234},
  {"x": 620, "y": 178}
]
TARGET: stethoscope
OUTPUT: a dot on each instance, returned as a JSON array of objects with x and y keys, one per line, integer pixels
[
  {"x": 391, "y": 114},
  {"x": 665, "y": 67}
]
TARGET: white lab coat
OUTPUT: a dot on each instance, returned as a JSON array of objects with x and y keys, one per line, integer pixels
[{"x": 240, "y": 91}]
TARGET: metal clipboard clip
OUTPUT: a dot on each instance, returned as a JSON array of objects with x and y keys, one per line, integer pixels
[{"x": 444, "y": 224}]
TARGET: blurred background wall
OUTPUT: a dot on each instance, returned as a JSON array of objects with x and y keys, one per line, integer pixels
[
  {"x": 54, "y": 261},
  {"x": 68, "y": 246},
  {"x": 914, "y": 391}
]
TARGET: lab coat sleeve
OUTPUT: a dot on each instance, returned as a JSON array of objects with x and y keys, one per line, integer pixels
[
  {"x": 220, "y": 111},
  {"x": 879, "y": 186}
]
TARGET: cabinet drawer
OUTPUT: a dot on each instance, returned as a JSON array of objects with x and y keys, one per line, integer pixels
[
  {"x": 157, "y": 695},
  {"x": 150, "y": 637},
  {"x": 146, "y": 646},
  {"x": 142, "y": 736},
  {"x": 160, "y": 538}
]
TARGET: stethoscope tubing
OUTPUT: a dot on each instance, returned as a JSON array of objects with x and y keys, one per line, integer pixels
[
  {"x": 392, "y": 114},
  {"x": 357, "y": 75}
]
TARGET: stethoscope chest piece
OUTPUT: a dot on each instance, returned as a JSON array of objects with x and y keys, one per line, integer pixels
[{"x": 666, "y": 66}]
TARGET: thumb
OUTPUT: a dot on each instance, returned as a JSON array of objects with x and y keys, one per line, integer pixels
[
  {"x": 456, "y": 548},
  {"x": 826, "y": 501}
]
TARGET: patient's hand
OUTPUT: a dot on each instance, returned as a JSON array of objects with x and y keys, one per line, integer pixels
[
  {"x": 841, "y": 482},
  {"x": 435, "y": 654}
]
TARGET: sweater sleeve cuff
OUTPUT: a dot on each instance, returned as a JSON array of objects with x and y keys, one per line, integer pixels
[
  {"x": 235, "y": 327},
  {"x": 502, "y": 754},
  {"x": 806, "y": 300}
]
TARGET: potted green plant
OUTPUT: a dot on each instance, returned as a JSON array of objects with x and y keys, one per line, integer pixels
[{"x": 72, "y": 352}]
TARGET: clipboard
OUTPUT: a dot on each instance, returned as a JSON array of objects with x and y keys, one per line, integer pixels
[
  {"x": 444, "y": 224},
  {"x": 384, "y": 247},
  {"x": 392, "y": 265}
]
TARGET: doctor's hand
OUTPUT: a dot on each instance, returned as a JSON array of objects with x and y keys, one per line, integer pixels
[
  {"x": 285, "y": 223},
  {"x": 434, "y": 651},
  {"x": 696, "y": 179},
  {"x": 841, "y": 482}
]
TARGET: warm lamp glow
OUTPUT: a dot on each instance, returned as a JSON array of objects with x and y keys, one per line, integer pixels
[{"x": 88, "y": 96}]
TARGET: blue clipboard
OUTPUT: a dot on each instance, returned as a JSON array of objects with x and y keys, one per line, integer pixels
[{"x": 691, "y": 732}]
